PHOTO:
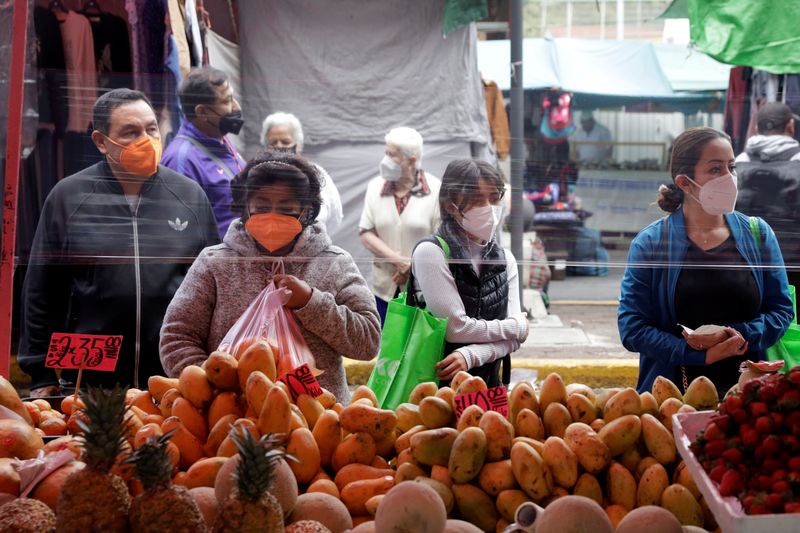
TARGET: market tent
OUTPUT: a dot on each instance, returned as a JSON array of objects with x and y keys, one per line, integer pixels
[
  {"x": 627, "y": 69},
  {"x": 352, "y": 70},
  {"x": 762, "y": 35}
]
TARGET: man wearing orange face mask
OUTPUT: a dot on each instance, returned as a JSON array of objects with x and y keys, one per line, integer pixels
[{"x": 113, "y": 244}]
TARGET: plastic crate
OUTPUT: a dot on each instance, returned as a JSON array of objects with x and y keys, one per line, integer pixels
[{"x": 728, "y": 511}]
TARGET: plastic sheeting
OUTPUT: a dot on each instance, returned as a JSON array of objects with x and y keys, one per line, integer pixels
[
  {"x": 351, "y": 70},
  {"x": 635, "y": 69},
  {"x": 759, "y": 34}
]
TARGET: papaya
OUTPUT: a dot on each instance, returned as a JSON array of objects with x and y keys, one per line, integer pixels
[
  {"x": 625, "y": 402},
  {"x": 354, "y": 495},
  {"x": 191, "y": 418},
  {"x": 356, "y": 471},
  {"x": 701, "y": 394},
  {"x": 664, "y": 388},
  {"x": 378, "y": 423},
  {"x": 259, "y": 356},
  {"x": 194, "y": 386},
  {"x": 222, "y": 405},
  {"x": 364, "y": 392},
  {"x": 204, "y": 472},
  {"x": 357, "y": 447},
  {"x": 218, "y": 434},
  {"x": 658, "y": 439},
  {"x": 328, "y": 434},
  {"x": 553, "y": 391},
  {"x": 589, "y": 487},
  {"x": 471, "y": 416},
  {"x": 581, "y": 409},
  {"x": 158, "y": 385},
  {"x": 679, "y": 501},
  {"x": 408, "y": 416},
  {"x": 276, "y": 414},
  {"x": 522, "y": 397},
  {"x": 422, "y": 390},
  {"x": 652, "y": 485},
  {"x": 436, "y": 413},
  {"x": 528, "y": 424},
  {"x": 311, "y": 409},
  {"x": 221, "y": 370},
  {"x": 556, "y": 419},
  {"x": 620, "y": 486}
]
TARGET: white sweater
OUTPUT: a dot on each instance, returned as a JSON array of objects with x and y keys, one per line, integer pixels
[{"x": 487, "y": 340}]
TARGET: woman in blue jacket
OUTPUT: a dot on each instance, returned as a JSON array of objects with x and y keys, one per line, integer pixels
[{"x": 702, "y": 264}]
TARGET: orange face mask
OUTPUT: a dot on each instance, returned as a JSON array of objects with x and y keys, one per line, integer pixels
[
  {"x": 140, "y": 158},
  {"x": 272, "y": 230}
]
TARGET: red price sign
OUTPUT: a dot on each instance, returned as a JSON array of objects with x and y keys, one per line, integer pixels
[
  {"x": 301, "y": 380},
  {"x": 94, "y": 352},
  {"x": 495, "y": 399}
]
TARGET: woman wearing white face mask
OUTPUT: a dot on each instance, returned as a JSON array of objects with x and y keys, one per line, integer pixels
[
  {"x": 474, "y": 283},
  {"x": 703, "y": 264},
  {"x": 400, "y": 208}
]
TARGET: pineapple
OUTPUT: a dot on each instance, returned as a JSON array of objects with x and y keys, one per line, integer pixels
[
  {"x": 250, "y": 507},
  {"x": 26, "y": 515},
  {"x": 94, "y": 499},
  {"x": 162, "y": 506}
]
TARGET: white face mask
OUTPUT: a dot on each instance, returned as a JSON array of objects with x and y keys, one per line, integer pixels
[
  {"x": 482, "y": 222},
  {"x": 718, "y": 196},
  {"x": 390, "y": 169}
]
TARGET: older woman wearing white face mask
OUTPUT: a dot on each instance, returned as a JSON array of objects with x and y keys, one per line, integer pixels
[
  {"x": 400, "y": 208},
  {"x": 283, "y": 132}
]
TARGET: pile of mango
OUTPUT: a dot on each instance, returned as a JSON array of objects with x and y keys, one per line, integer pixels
[{"x": 614, "y": 446}]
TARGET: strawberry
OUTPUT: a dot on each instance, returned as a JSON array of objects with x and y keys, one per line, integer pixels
[
  {"x": 739, "y": 415},
  {"x": 723, "y": 422},
  {"x": 767, "y": 392},
  {"x": 773, "y": 502},
  {"x": 733, "y": 402},
  {"x": 791, "y": 507},
  {"x": 732, "y": 483},
  {"x": 764, "y": 424},
  {"x": 794, "y": 464},
  {"x": 779, "y": 487},
  {"x": 757, "y": 508},
  {"x": 770, "y": 465},
  {"x": 733, "y": 455},
  {"x": 751, "y": 438},
  {"x": 765, "y": 482},
  {"x": 777, "y": 419},
  {"x": 794, "y": 375},
  {"x": 718, "y": 471},
  {"x": 715, "y": 448},
  {"x": 759, "y": 409},
  {"x": 779, "y": 475},
  {"x": 771, "y": 445},
  {"x": 789, "y": 400},
  {"x": 713, "y": 432}
]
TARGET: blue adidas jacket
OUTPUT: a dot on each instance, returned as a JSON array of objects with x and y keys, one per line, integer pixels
[{"x": 646, "y": 313}]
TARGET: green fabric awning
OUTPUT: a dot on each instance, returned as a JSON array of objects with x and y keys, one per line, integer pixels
[
  {"x": 754, "y": 33},
  {"x": 678, "y": 9},
  {"x": 460, "y": 12}
]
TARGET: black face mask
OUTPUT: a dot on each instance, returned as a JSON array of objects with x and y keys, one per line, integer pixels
[{"x": 231, "y": 123}]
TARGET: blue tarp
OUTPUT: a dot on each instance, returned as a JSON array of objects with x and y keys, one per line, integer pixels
[{"x": 631, "y": 69}]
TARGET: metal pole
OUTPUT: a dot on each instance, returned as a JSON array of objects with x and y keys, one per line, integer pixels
[
  {"x": 11, "y": 179},
  {"x": 517, "y": 133},
  {"x": 620, "y": 20}
]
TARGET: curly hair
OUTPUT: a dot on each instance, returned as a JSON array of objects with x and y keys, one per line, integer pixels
[{"x": 276, "y": 167}]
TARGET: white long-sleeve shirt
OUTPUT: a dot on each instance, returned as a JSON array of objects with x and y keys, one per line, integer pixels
[{"x": 486, "y": 340}]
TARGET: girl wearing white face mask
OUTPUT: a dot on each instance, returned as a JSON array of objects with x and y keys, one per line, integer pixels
[
  {"x": 702, "y": 265},
  {"x": 475, "y": 286}
]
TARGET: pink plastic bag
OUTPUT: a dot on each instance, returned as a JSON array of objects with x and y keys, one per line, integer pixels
[{"x": 267, "y": 319}]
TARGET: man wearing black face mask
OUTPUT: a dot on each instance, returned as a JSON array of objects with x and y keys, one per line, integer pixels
[{"x": 201, "y": 149}]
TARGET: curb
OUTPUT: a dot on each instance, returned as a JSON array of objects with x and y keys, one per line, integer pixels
[{"x": 596, "y": 373}]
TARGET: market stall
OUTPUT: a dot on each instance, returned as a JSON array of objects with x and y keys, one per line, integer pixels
[{"x": 471, "y": 458}]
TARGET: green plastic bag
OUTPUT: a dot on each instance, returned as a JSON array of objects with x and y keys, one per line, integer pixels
[
  {"x": 787, "y": 349},
  {"x": 412, "y": 342}
]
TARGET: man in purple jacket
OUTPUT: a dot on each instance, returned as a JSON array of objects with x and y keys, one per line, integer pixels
[{"x": 201, "y": 150}]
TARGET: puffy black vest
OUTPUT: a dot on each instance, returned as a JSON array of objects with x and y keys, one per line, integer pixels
[
  {"x": 771, "y": 190},
  {"x": 484, "y": 296}
]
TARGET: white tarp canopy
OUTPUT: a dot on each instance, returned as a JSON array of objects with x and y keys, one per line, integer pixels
[{"x": 600, "y": 67}]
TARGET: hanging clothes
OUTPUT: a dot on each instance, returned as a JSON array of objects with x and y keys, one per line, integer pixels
[
  {"x": 76, "y": 34},
  {"x": 498, "y": 118},
  {"x": 193, "y": 32},
  {"x": 178, "y": 27},
  {"x": 51, "y": 68},
  {"x": 737, "y": 106},
  {"x": 112, "y": 51}
]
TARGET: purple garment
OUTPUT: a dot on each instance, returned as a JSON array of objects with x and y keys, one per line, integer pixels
[{"x": 184, "y": 157}]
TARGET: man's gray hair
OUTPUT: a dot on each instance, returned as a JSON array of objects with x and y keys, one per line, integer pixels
[{"x": 283, "y": 119}]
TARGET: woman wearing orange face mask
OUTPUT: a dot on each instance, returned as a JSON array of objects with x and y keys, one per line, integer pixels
[{"x": 278, "y": 195}]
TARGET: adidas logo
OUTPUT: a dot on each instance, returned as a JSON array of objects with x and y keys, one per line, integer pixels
[{"x": 177, "y": 225}]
